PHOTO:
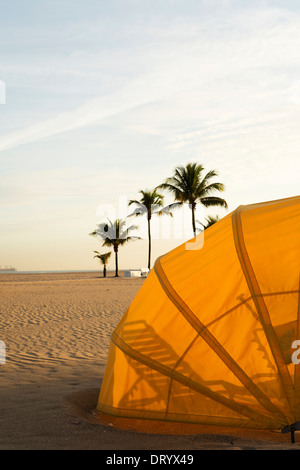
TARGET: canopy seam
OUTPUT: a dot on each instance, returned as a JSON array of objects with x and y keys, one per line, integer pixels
[
  {"x": 212, "y": 341},
  {"x": 242, "y": 409},
  {"x": 260, "y": 305}
]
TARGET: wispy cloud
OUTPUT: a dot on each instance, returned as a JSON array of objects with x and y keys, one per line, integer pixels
[
  {"x": 102, "y": 105},
  {"x": 234, "y": 59}
]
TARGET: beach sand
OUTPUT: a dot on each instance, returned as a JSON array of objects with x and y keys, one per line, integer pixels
[{"x": 56, "y": 329}]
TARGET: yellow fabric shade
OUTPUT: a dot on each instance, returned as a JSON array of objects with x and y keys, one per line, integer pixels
[{"x": 209, "y": 337}]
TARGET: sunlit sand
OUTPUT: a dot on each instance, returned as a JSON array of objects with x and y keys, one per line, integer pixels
[{"x": 56, "y": 329}]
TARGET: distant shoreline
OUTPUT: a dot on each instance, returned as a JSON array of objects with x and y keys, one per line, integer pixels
[
  {"x": 61, "y": 271},
  {"x": 37, "y": 276}
]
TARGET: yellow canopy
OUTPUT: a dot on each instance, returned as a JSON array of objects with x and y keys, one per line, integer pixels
[{"x": 209, "y": 338}]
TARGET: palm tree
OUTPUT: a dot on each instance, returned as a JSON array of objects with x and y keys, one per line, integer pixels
[
  {"x": 210, "y": 220},
  {"x": 188, "y": 185},
  {"x": 114, "y": 234},
  {"x": 103, "y": 260},
  {"x": 150, "y": 203}
]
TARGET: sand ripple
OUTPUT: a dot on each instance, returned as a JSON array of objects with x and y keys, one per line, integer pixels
[{"x": 57, "y": 320}]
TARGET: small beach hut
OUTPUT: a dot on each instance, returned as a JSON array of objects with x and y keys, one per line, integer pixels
[{"x": 213, "y": 335}]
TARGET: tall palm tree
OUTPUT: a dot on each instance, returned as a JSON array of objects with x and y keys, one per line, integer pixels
[
  {"x": 189, "y": 185},
  {"x": 103, "y": 260},
  {"x": 115, "y": 234},
  {"x": 150, "y": 203}
]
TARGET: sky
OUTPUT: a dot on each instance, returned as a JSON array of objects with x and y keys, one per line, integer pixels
[{"x": 99, "y": 100}]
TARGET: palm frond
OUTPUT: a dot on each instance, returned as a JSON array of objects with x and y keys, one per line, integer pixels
[
  {"x": 210, "y": 220},
  {"x": 103, "y": 257},
  {"x": 188, "y": 185},
  {"x": 150, "y": 203},
  {"x": 165, "y": 211},
  {"x": 211, "y": 201},
  {"x": 206, "y": 190},
  {"x": 140, "y": 210}
]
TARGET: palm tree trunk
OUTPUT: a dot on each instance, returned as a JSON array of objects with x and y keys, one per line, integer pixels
[
  {"x": 149, "y": 247},
  {"x": 193, "y": 217},
  {"x": 104, "y": 270},
  {"x": 116, "y": 260}
]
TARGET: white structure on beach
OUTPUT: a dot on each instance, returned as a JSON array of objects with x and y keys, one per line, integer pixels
[{"x": 143, "y": 272}]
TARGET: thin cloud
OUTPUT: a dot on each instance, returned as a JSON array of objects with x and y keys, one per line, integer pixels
[{"x": 201, "y": 62}]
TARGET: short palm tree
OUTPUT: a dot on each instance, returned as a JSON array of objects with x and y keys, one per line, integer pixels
[
  {"x": 103, "y": 260},
  {"x": 210, "y": 220},
  {"x": 189, "y": 185},
  {"x": 114, "y": 234},
  {"x": 150, "y": 203}
]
